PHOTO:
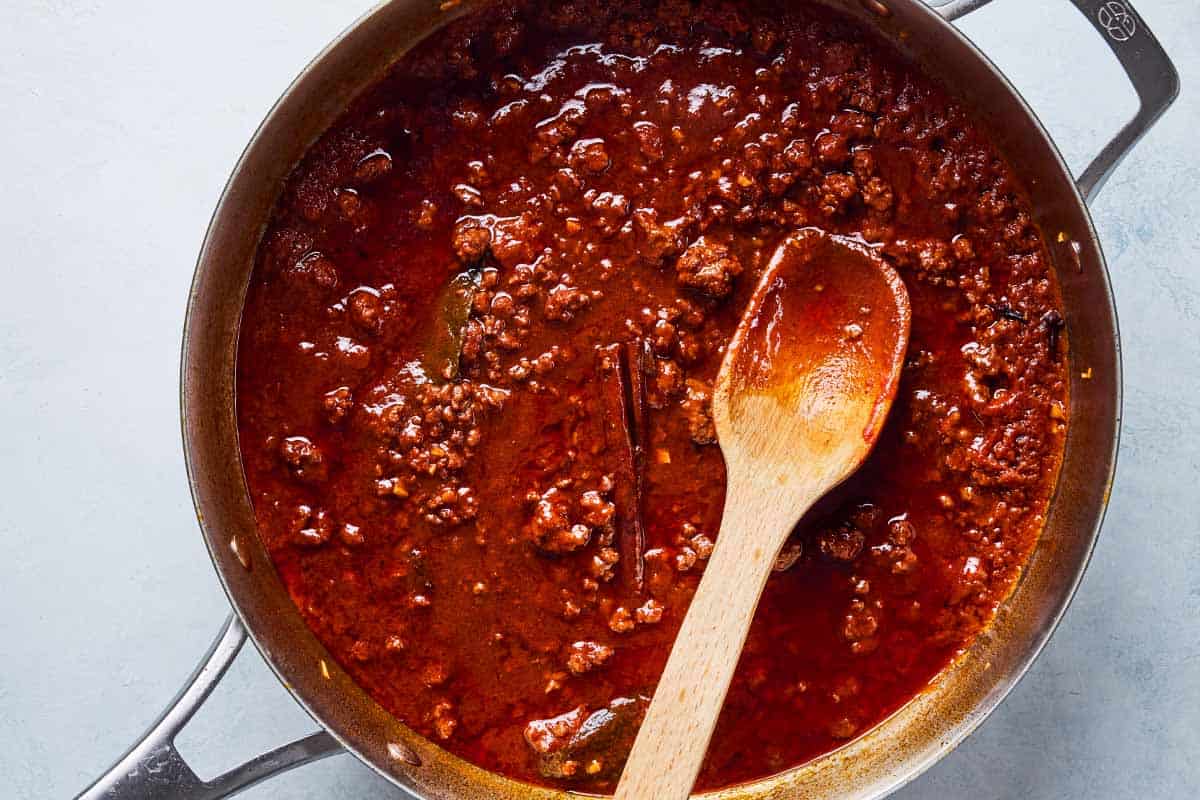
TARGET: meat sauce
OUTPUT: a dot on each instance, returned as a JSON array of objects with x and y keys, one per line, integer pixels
[{"x": 478, "y": 350}]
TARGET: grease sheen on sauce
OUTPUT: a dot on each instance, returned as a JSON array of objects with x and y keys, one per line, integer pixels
[{"x": 613, "y": 179}]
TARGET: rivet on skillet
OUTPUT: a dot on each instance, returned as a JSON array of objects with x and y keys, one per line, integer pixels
[
  {"x": 240, "y": 551},
  {"x": 877, "y": 6},
  {"x": 401, "y": 752}
]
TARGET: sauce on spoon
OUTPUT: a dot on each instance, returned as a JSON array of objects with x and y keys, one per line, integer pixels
[{"x": 802, "y": 395}]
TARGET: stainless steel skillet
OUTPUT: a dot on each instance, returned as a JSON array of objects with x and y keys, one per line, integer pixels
[{"x": 872, "y": 766}]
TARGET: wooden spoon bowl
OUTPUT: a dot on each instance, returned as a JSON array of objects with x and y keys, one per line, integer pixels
[{"x": 801, "y": 398}]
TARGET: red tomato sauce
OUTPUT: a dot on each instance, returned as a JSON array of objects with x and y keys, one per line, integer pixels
[{"x": 477, "y": 355}]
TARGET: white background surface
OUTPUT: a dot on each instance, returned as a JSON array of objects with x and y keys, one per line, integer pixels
[{"x": 119, "y": 122}]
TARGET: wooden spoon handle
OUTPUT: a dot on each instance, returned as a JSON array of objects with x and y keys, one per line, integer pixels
[{"x": 673, "y": 739}]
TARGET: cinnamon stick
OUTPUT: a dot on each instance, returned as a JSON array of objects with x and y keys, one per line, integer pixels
[
  {"x": 623, "y": 403},
  {"x": 637, "y": 359}
]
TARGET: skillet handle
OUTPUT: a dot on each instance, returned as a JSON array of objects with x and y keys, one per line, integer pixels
[
  {"x": 153, "y": 768},
  {"x": 1145, "y": 62}
]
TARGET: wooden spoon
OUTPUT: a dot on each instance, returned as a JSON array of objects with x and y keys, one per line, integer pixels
[{"x": 802, "y": 395}]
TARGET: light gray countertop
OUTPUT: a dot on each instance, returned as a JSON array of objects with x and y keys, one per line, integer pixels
[{"x": 119, "y": 122}]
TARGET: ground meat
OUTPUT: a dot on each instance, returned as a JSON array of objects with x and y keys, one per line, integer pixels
[
  {"x": 373, "y": 166},
  {"x": 351, "y": 535},
  {"x": 443, "y": 720},
  {"x": 579, "y": 745},
  {"x": 604, "y": 563},
  {"x": 311, "y": 528},
  {"x": 426, "y": 215},
  {"x": 970, "y": 578},
  {"x": 650, "y": 613},
  {"x": 697, "y": 408},
  {"x": 337, "y": 403},
  {"x": 365, "y": 309},
  {"x": 612, "y": 208},
  {"x": 667, "y": 384},
  {"x": 841, "y": 543},
  {"x": 551, "y": 735},
  {"x": 928, "y": 257},
  {"x": 597, "y": 511},
  {"x": 434, "y": 674},
  {"x": 662, "y": 338},
  {"x": 590, "y": 154},
  {"x": 832, "y": 149},
  {"x": 585, "y": 656},
  {"x": 650, "y": 140},
  {"x": 352, "y": 354},
  {"x": 709, "y": 267},
  {"x": 303, "y": 458},
  {"x": 564, "y": 301},
  {"x": 859, "y": 627},
  {"x": 551, "y": 526},
  {"x": 878, "y": 194},
  {"x": 685, "y": 559},
  {"x": 658, "y": 240},
  {"x": 837, "y": 190},
  {"x": 314, "y": 269},
  {"x": 471, "y": 242},
  {"x": 897, "y": 550},
  {"x": 702, "y": 545},
  {"x": 451, "y": 504},
  {"x": 621, "y": 621},
  {"x": 353, "y": 208},
  {"x": 513, "y": 239}
]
